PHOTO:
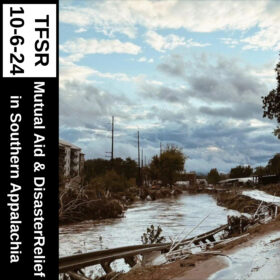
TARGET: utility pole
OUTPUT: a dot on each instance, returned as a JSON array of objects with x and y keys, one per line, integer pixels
[
  {"x": 143, "y": 174},
  {"x": 160, "y": 149},
  {"x": 138, "y": 143},
  {"x": 111, "y": 154},
  {"x": 139, "y": 167},
  {"x": 112, "y": 148}
]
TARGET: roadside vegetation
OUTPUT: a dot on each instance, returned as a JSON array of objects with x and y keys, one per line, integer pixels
[
  {"x": 153, "y": 235},
  {"x": 271, "y": 102},
  {"x": 108, "y": 186}
]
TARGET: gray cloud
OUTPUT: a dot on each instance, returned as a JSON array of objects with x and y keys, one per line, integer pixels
[
  {"x": 234, "y": 145},
  {"x": 163, "y": 93},
  {"x": 167, "y": 114},
  {"x": 223, "y": 81},
  {"x": 88, "y": 106},
  {"x": 236, "y": 111},
  {"x": 175, "y": 66}
]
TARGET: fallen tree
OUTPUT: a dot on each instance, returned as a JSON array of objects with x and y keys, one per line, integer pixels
[{"x": 76, "y": 206}]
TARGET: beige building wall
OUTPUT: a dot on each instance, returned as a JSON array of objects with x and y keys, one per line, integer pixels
[{"x": 71, "y": 159}]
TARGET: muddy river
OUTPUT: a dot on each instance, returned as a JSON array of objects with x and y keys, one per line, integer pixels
[{"x": 174, "y": 215}]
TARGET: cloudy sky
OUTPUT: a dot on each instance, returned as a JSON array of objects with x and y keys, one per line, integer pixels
[{"x": 190, "y": 73}]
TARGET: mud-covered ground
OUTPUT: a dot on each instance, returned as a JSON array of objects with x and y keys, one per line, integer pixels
[
  {"x": 203, "y": 266},
  {"x": 238, "y": 201},
  {"x": 273, "y": 189}
]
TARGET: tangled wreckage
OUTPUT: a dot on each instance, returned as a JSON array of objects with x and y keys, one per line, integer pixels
[{"x": 72, "y": 267}]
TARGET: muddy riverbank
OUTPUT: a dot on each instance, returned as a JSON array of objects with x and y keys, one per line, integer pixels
[
  {"x": 81, "y": 204},
  {"x": 173, "y": 214},
  {"x": 114, "y": 205},
  {"x": 273, "y": 189},
  {"x": 238, "y": 201},
  {"x": 255, "y": 254}
]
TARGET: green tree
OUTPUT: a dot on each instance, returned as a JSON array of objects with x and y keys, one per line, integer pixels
[
  {"x": 168, "y": 165},
  {"x": 271, "y": 103},
  {"x": 154, "y": 168},
  {"x": 110, "y": 181},
  {"x": 95, "y": 168},
  {"x": 274, "y": 165},
  {"x": 261, "y": 171},
  {"x": 223, "y": 176},
  {"x": 241, "y": 171},
  {"x": 129, "y": 168},
  {"x": 98, "y": 167},
  {"x": 117, "y": 165},
  {"x": 213, "y": 176}
]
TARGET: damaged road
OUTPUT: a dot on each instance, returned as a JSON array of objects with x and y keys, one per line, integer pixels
[{"x": 260, "y": 250}]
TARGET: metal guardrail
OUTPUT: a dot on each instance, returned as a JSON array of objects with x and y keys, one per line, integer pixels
[
  {"x": 79, "y": 261},
  {"x": 103, "y": 257}
]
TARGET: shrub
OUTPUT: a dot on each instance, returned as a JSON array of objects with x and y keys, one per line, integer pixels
[
  {"x": 110, "y": 181},
  {"x": 152, "y": 235}
]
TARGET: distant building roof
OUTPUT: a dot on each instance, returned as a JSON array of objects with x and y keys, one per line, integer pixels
[
  {"x": 240, "y": 180},
  {"x": 72, "y": 146},
  {"x": 182, "y": 182},
  {"x": 227, "y": 181}
]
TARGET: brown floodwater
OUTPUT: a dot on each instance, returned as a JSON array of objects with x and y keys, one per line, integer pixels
[{"x": 176, "y": 215}]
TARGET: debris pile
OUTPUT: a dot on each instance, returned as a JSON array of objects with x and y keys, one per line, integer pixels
[
  {"x": 237, "y": 225},
  {"x": 75, "y": 206},
  {"x": 181, "y": 248}
]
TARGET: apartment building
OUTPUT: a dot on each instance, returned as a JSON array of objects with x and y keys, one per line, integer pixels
[{"x": 71, "y": 159}]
